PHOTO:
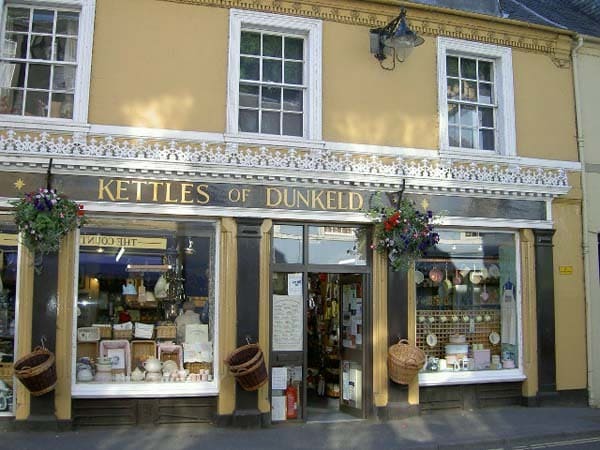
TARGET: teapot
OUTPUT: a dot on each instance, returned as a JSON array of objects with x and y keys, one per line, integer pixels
[
  {"x": 152, "y": 365},
  {"x": 137, "y": 374}
]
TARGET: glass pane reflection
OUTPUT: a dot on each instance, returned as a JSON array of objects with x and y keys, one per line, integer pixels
[
  {"x": 336, "y": 245},
  {"x": 287, "y": 244}
]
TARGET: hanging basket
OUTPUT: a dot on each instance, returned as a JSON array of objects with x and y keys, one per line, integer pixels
[
  {"x": 37, "y": 371},
  {"x": 404, "y": 361},
  {"x": 247, "y": 364}
]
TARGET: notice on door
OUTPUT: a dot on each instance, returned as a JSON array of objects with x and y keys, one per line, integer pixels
[{"x": 287, "y": 323}]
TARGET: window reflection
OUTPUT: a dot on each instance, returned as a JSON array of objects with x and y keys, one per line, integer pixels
[{"x": 336, "y": 245}]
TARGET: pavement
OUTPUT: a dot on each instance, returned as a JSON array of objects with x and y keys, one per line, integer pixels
[{"x": 492, "y": 428}]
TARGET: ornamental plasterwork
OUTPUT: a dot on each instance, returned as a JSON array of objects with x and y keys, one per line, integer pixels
[
  {"x": 83, "y": 154},
  {"x": 423, "y": 19}
]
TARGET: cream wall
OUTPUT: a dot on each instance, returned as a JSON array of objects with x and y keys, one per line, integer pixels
[
  {"x": 544, "y": 108},
  {"x": 168, "y": 70},
  {"x": 569, "y": 299}
]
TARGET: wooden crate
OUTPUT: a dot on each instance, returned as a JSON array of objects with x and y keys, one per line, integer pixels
[
  {"x": 171, "y": 352},
  {"x": 87, "y": 350},
  {"x": 141, "y": 351}
]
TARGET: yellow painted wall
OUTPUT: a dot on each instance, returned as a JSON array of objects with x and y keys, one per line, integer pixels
[
  {"x": 544, "y": 108},
  {"x": 569, "y": 299},
  {"x": 364, "y": 104},
  {"x": 168, "y": 70}
]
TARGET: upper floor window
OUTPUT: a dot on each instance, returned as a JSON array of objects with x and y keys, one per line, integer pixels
[
  {"x": 275, "y": 75},
  {"x": 475, "y": 97},
  {"x": 41, "y": 73}
]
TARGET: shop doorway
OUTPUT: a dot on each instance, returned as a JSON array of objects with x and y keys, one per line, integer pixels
[{"x": 334, "y": 350}]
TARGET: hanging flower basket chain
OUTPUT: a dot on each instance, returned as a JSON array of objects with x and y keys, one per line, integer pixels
[
  {"x": 402, "y": 232},
  {"x": 44, "y": 216}
]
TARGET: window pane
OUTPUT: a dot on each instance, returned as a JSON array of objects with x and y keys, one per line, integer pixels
[
  {"x": 271, "y": 98},
  {"x": 467, "y": 137},
  {"x": 43, "y": 21},
  {"x": 485, "y": 71},
  {"x": 452, "y": 113},
  {"x": 41, "y": 47},
  {"x": 64, "y": 78},
  {"x": 292, "y": 100},
  {"x": 249, "y": 68},
  {"x": 292, "y": 124},
  {"x": 66, "y": 49},
  {"x": 39, "y": 76},
  {"x": 272, "y": 70},
  {"x": 272, "y": 45},
  {"x": 293, "y": 72},
  {"x": 468, "y": 68},
  {"x": 453, "y": 138},
  {"x": 15, "y": 46},
  {"x": 270, "y": 122},
  {"x": 294, "y": 48},
  {"x": 335, "y": 245},
  {"x": 36, "y": 104},
  {"x": 250, "y": 43},
  {"x": 453, "y": 88},
  {"x": 62, "y": 106},
  {"x": 12, "y": 75},
  {"x": 67, "y": 22},
  {"x": 468, "y": 115},
  {"x": 486, "y": 117},
  {"x": 249, "y": 96},
  {"x": 248, "y": 121},
  {"x": 469, "y": 91},
  {"x": 11, "y": 101},
  {"x": 486, "y": 138},
  {"x": 287, "y": 240},
  {"x": 485, "y": 93},
  {"x": 17, "y": 19},
  {"x": 452, "y": 66}
]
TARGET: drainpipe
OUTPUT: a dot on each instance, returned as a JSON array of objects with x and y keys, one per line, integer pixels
[{"x": 584, "y": 219}]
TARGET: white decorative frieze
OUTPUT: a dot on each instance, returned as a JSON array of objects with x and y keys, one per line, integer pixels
[{"x": 108, "y": 152}]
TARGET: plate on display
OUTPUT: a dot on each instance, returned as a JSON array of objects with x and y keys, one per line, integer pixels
[
  {"x": 494, "y": 338},
  {"x": 419, "y": 277},
  {"x": 431, "y": 340}
]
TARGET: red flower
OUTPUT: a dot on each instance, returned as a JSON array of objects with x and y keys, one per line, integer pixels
[{"x": 80, "y": 211}]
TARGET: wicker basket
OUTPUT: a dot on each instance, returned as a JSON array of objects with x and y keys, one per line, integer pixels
[
  {"x": 105, "y": 331},
  {"x": 122, "y": 334},
  {"x": 166, "y": 332},
  {"x": 247, "y": 364},
  {"x": 196, "y": 367},
  {"x": 141, "y": 351},
  {"x": 37, "y": 371},
  {"x": 6, "y": 372},
  {"x": 404, "y": 361}
]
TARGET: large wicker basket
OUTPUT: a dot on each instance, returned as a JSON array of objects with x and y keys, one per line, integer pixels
[
  {"x": 404, "y": 361},
  {"x": 37, "y": 371},
  {"x": 247, "y": 364}
]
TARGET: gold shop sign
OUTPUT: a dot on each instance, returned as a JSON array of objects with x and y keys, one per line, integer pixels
[
  {"x": 565, "y": 270},
  {"x": 99, "y": 240},
  {"x": 8, "y": 239}
]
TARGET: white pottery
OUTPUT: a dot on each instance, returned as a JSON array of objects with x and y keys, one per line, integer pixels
[
  {"x": 137, "y": 374},
  {"x": 152, "y": 365}
]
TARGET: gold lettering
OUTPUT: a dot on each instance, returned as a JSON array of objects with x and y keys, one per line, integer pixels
[
  {"x": 105, "y": 189},
  {"x": 316, "y": 198},
  {"x": 302, "y": 199},
  {"x": 245, "y": 195},
  {"x": 168, "y": 198},
  {"x": 286, "y": 198},
  {"x": 138, "y": 189},
  {"x": 330, "y": 200},
  {"x": 275, "y": 191},
  {"x": 340, "y": 205},
  {"x": 359, "y": 198},
  {"x": 155, "y": 185},
  {"x": 203, "y": 197},
  {"x": 121, "y": 187},
  {"x": 185, "y": 192}
]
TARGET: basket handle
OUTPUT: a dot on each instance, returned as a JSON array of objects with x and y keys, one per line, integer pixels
[{"x": 403, "y": 341}]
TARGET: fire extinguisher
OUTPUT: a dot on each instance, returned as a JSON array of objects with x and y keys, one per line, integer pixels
[{"x": 291, "y": 400}]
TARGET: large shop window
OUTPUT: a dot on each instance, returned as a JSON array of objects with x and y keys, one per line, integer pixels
[
  {"x": 43, "y": 65},
  {"x": 8, "y": 283},
  {"x": 476, "y": 102},
  {"x": 146, "y": 308},
  {"x": 468, "y": 307},
  {"x": 275, "y": 75}
]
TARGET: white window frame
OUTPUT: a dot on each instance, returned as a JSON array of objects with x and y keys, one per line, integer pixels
[
  {"x": 85, "y": 38},
  {"x": 505, "y": 138},
  {"x": 312, "y": 30}
]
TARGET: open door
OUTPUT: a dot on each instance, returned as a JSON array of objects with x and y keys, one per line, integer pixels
[{"x": 352, "y": 345}]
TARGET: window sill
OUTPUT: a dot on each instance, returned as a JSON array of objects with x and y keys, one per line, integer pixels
[
  {"x": 42, "y": 123},
  {"x": 144, "y": 390},
  {"x": 470, "y": 377},
  {"x": 272, "y": 140}
]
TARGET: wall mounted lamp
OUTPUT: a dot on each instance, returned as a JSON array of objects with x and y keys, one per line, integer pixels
[{"x": 395, "y": 40}]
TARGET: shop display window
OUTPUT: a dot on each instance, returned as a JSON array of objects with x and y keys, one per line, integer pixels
[
  {"x": 8, "y": 281},
  {"x": 146, "y": 303},
  {"x": 467, "y": 303}
]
